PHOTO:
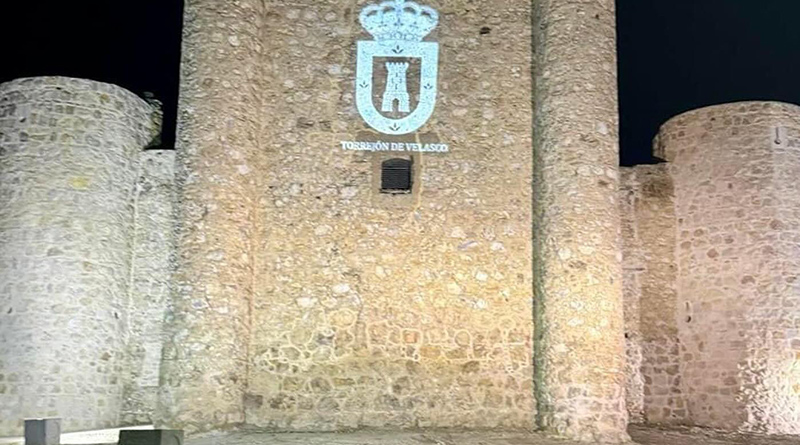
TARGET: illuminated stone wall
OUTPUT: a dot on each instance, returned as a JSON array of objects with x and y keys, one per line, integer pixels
[
  {"x": 711, "y": 295},
  {"x": 629, "y": 197},
  {"x": 308, "y": 300},
  {"x": 68, "y": 162},
  {"x": 151, "y": 268},
  {"x": 204, "y": 374},
  {"x": 394, "y": 310},
  {"x": 737, "y": 207},
  {"x": 578, "y": 279},
  {"x": 653, "y": 391},
  {"x": 291, "y": 293}
]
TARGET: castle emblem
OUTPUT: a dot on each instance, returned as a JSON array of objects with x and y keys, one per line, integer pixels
[{"x": 398, "y": 27}]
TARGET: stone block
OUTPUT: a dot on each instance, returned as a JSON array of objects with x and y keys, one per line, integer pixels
[
  {"x": 42, "y": 431},
  {"x": 151, "y": 437}
]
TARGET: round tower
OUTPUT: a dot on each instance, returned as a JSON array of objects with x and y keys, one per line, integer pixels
[
  {"x": 204, "y": 372},
  {"x": 578, "y": 316},
  {"x": 67, "y": 150},
  {"x": 737, "y": 206}
]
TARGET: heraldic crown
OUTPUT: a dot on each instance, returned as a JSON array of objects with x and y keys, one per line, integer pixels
[{"x": 399, "y": 20}]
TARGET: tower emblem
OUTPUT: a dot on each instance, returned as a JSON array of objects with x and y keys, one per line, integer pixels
[{"x": 398, "y": 27}]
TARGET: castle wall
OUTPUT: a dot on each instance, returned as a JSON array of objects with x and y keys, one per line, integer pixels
[
  {"x": 578, "y": 279},
  {"x": 394, "y": 310},
  {"x": 153, "y": 242},
  {"x": 205, "y": 365},
  {"x": 654, "y": 393},
  {"x": 67, "y": 163},
  {"x": 293, "y": 294},
  {"x": 632, "y": 266},
  {"x": 735, "y": 170}
]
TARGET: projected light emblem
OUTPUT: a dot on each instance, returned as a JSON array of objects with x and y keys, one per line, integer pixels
[{"x": 398, "y": 27}]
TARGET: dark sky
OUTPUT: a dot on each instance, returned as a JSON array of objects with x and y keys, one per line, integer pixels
[
  {"x": 131, "y": 43},
  {"x": 678, "y": 55},
  {"x": 675, "y": 55}
]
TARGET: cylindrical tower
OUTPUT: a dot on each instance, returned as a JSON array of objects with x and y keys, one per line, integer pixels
[
  {"x": 67, "y": 150},
  {"x": 579, "y": 344},
  {"x": 204, "y": 372},
  {"x": 735, "y": 169}
]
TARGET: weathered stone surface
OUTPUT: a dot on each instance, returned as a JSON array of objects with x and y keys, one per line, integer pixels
[
  {"x": 643, "y": 436},
  {"x": 153, "y": 246},
  {"x": 737, "y": 201},
  {"x": 205, "y": 366},
  {"x": 653, "y": 390},
  {"x": 298, "y": 297},
  {"x": 68, "y": 150},
  {"x": 580, "y": 353},
  {"x": 412, "y": 310}
]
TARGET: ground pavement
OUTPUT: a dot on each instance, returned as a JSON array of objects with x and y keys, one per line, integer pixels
[{"x": 641, "y": 435}]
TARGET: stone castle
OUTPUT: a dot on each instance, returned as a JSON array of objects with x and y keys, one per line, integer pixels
[{"x": 258, "y": 275}]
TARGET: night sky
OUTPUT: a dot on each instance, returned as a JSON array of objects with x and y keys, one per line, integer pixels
[{"x": 675, "y": 55}]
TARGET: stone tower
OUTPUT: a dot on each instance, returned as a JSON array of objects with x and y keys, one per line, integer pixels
[
  {"x": 81, "y": 206},
  {"x": 717, "y": 224},
  {"x": 396, "y": 88},
  {"x": 205, "y": 367},
  {"x": 579, "y": 355},
  {"x": 419, "y": 288}
]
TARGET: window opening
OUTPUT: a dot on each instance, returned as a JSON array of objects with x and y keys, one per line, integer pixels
[{"x": 396, "y": 176}]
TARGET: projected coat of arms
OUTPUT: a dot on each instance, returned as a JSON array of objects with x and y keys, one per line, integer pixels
[{"x": 398, "y": 27}]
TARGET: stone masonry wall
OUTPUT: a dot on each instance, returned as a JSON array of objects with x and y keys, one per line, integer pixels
[
  {"x": 578, "y": 279},
  {"x": 151, "y": 272},
  {"x": 204, "y": 373},
  {"x": 737, "y": 204},
  {"x": 376, "y": 310},
  {"x": 632, "y": 266},
  {"x": 654, "y": 391},
  {"x": 67, "y": 150}
]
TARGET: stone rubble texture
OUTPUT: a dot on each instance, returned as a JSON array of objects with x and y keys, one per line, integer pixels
[
  {"x": 641, "y": 435},
  {"x": 653, "y": 385},
  {"x": 150, "y": 286},
  {"x": 205, "y": 368},
  {"x": 579, "y": 355},
  {"x": 69, "y": 159},
  {"x": 256, "y": 277},
  {"x": 737, "y": 210},
  {"x": 376, "y": 310},
  {"x": 712, "y": 307}
]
